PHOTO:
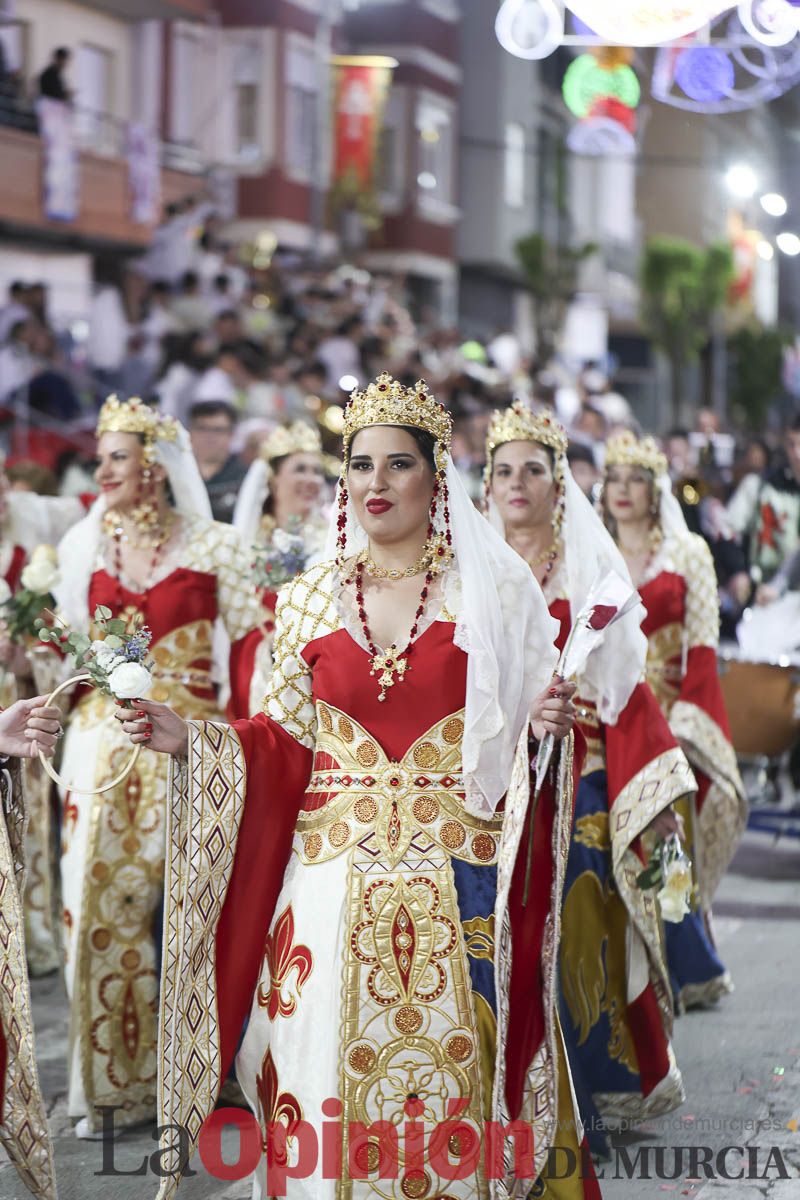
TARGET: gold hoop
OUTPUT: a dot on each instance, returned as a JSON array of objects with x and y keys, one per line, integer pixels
[{"x": 53, "y": 773}]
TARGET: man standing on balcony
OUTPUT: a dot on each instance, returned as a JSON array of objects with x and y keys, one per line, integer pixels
[{"x": 51, "y": 80}]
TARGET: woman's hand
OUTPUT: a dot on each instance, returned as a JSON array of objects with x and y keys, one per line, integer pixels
[
  {"x": 28, "y": 727},
  {"x": 553, "y": 710},
  {"x": 155, "y": 725},
  {"x": 666, "y": 823}
]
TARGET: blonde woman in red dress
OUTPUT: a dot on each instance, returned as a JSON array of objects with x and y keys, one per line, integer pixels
[{"x": 674, "y": 573}]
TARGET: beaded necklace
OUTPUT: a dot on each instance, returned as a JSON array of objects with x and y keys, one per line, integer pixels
[{"x": 391, "y": 666}]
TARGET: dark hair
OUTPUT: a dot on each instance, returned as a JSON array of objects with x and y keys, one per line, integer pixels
[
  {"x": 212, "y": 408},
  {"x": 578, "y": 452},
  {"x": 17, "y": 288},
  {"x": 425, "y": 443},
  {"x": 62, "y": 54},
  {"x": 227, "y": 314},
  {"x": 189, "y": 279},
  {"x": 221, "y": 281},
  {"x": 677, "y": 432},
  {"x": 549, "y": 451},
  {"x": 794, "y": 424}
]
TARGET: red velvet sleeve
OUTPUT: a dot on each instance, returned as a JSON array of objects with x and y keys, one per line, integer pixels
[
  {"x": 700, "y": 685},
  {"x": 242, "y": 665},
  {"x": 278, "y": 770},
  {"x": 640, "y": 735}
]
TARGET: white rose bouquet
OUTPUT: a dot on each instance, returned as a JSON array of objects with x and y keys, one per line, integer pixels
[
  {"x": 21, "y": 611},
  {"x": 284, "y": 557},
  {"x": 670, "y": 868},
  {"x": 115, "y": 662}
]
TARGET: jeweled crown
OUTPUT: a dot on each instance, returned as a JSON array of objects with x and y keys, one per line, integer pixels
[
  {"x": 520, "y": 424},
  {"x": 626, "y": 450},
  {"x": 388, "y": 402},
  {"x": 297, "y": 438},
  {"x": 134, "y": 416}
]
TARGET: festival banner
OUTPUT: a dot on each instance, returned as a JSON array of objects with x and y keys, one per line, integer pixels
[
  {"x": 361, "y": 84},
  {"x": 60, "y": 173}
]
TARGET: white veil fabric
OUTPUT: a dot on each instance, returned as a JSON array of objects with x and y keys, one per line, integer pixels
[
  {"x": 673, "y": 522},
  {"x": 77, "y": 550},
  {"x": 504, "y": 627},
  {"x": 250, "y": 501},
  {"x": 616, "y": 666}
]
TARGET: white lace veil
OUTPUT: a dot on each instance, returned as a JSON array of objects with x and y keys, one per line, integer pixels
[
  {"x": 503, "y": 626},
  {"x": 250, "y": 501},
  {"x": 617, "y": 665},
  {"x": 77, "y": 550},
  {"x": 670, "y": 514}
]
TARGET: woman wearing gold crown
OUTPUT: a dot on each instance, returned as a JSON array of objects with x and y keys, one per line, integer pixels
[
  {"x": 149, "y": 551},
  {"x": 282, "y": 494},
  {"x": 674, "y": 573},
  {"x": 615, "y": 996},
  {"x": 373, "y": 815}
]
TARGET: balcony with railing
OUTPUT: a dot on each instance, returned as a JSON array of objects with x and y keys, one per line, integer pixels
[{"x": 101, "y": 142}]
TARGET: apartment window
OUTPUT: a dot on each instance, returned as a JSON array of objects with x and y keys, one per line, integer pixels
[
  {"x": 301, "y": 108},
  {"x": 189, "y": 92},
  {"x": 514, "y": 165},
  {"x": 434, "y": 130},
  {"x": 246, "y": 120},
  {"x": 93, "y": 100},
  {"x": 391, "y": 153},
  {"x": 246, "y": 59}
]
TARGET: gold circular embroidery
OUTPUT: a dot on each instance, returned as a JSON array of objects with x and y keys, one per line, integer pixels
[
  {"x": 365, "y": 809},
  {"x": 338, "y": 833},
  {"x": 312, "y": 845},
  {"x": 426, "y": 755},
  {"x": 131, "y": 844},
  {"x": 366, "y": 753},
  {"x": 416, "y": 1184},
  {"x": 368, "y": 1157},
  {"x": 346, "y": 730},
  {"x": 100, "y": 872},
  {"x": 458, "y": 1048},
  {"x": 131, "y": 959},
  {"x": 325, "y": 718},
  {"x": 101, "y": 939},
  {"x": 160, "y": 693},
  {"x": 453, "y": 834},
  {"x": 426, "y": 809},
  {"x": 408, "y": 1019},
  {"x": 454, "y": 1145},
  {"x": 361, "y": 1059},
  {"x": 453, "y": 731},
  {"x": 483, "y": 847}
]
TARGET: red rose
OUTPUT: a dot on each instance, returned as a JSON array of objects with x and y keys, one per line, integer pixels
[{"x": 602, "y": 615}]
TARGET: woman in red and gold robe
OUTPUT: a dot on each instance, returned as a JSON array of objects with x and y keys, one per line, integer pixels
[
  {"x": 372, "y": 818},
  {"x": 616, "y": 1004},
  {"x": 674, "y": 573},
  {"x": 167, "y": 567}
]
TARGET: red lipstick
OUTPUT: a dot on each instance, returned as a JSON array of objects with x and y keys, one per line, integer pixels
[{"x": 378, "y": 506}]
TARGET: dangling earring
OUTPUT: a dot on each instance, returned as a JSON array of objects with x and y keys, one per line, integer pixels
[
  {"x": 341, "y": 522},
  {"x": 145, "y": 514},
  {"x": 439, "y": 546}
]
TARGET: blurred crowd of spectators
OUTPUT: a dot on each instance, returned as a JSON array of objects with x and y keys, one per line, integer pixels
[{"x": 232, "y": 341}]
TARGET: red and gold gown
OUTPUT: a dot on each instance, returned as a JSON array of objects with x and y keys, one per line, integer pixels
[
  {"x": 24, "y": 1132},
  {"x": 682, "y": 628},
  {"x": 616, "y": 1004},
  {"x": 114, "y": 844},
  {"x": 390, "y": 957}
]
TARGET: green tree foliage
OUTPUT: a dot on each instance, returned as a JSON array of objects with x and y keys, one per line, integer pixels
[
  {"x": 551, "y": 274},
  {"x": 755, "y": 362},
  {"x": 682, "y": 286}
]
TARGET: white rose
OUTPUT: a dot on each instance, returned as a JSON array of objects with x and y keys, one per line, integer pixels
[
  {"x": 283, "y": 541},
  {"x": 673, "y": 905},
  {"x": 678, "y": 876},
  {"x": 40, "y": 576},
  {"x": 130, "y": 680},
  {"x": 104, "y": 654},
  {"x": 45, "y": 553},
  {"x": 5, "y": 591}
]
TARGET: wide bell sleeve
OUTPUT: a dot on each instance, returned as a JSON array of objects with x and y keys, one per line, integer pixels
[
  {"x": 700, "y": 723},
  {"x": 24, "y": 1132}
]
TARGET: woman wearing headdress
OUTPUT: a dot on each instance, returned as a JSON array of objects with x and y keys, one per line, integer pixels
[
  {"x": 373, "y": 815},
  {"x": 616, "y": 1005},
  {"x": 149, "y": 551},
  {"x": 281, "y": 498},
  {"x": 674, "y": 572}
]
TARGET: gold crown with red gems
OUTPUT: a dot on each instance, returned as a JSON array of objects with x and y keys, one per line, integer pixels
[
  {"x": 134, "y": 416},
  {"x": 626, "y": 450},
  {"x": 387, "y": 402},
  {"x": 297, "y": 438},
  {"x": 520, "y": 424}
]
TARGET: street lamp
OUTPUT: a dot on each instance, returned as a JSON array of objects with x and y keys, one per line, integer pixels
[
  {"x": 788, "y": 243},
  {"x": 774, "y": 204},
  {"x": 741, "y": 181}
]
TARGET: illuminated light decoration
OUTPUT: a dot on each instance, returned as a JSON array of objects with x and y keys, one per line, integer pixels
[
  {"x": 764, "y": 250},
  {"x": 529, "y": 29},
  {"x": 601, "y": 137},
  {"x": 585, "y": 82},
  {"x": 773, "y": 204},
  {"x": 772, "y": 22},
  {"x": 609, "y": 106},
  {"x": 611, "y": 57},
  {"x": 705, "y": 73},
  {"x": 646, "y": 22},
  {"x": 788, "y": 243},
  {"x": 741, "y": 181},
  {"x": 762, "y": 73}
]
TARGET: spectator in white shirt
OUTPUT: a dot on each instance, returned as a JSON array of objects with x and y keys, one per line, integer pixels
[
  {"x": 191, "y": 308},
  {"x": 17, "y": 362},
  {"x": 16, "y": 310},
  {"x": 340, "y": 353}
]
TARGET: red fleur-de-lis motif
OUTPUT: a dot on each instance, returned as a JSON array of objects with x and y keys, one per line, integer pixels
[
  {"x": 275, "y": 1107},
  {"x": 283, "y": 956}
]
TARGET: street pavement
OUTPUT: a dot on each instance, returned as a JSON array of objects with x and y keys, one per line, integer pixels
[{"x": 740, "y": 1062}]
